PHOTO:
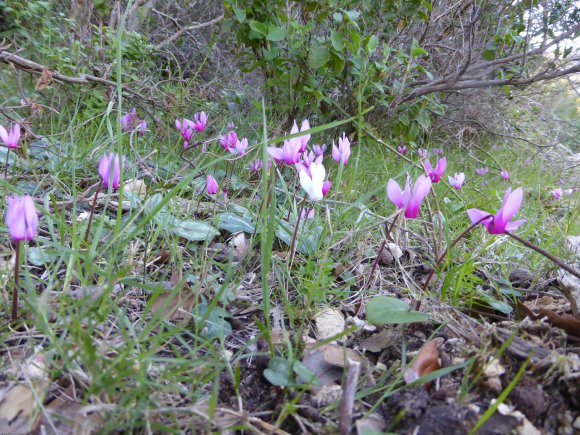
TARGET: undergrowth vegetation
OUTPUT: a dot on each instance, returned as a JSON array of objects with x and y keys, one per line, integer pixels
[{"x": 165, "y": 255}]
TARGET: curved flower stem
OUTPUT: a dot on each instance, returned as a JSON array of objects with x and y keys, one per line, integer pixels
[
  {"x": 6, "y": 165},
  {"x": 545, "y": 253},
  {"x": 440, "y": 259},
  {"x": 376, "y": 262},
  {"x": 15, "y": 290},
  {"x": 93, "y": 211},
  {"x": 296, "y": 230}
]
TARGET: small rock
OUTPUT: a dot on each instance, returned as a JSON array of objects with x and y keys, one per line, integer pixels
[
  {"x": 521, "y": 277},
  {"x": 491, "y": 373},
  {"x": 328, "y": 395},
  {"x": 329, "y": 323}
]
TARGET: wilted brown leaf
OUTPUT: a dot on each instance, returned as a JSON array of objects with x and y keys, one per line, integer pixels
[
  {"x": 174, "y": 304},
  {"x": 427, "y": 361},
  {"x": 44, "y": 80},
  {"x": 562, "y": 321},
  {"x": 17, "y": 406}
]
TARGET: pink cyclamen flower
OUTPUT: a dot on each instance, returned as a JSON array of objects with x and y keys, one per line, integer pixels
[
  {"x": 558, "y": 193},
  {"x": 240, "y": 147},
  {"x": 562, "y": 181},
  {"x": 422, "y": 152},
  {"x": 313, "y": 183},
  {"x": 10, "y": 138},
  {"x": 319, "y": 149},
  {"x": 326, "y": 187},
  {"x": 500, "y": 222},
  {"x": 141, "y": 127},
  {"x": 212, "y": 186},
  {"x": 289, "y": 153},
  {"x": 231, "y": 125},
  {"x": 342, "y": 152},
  {"x": 21, "y": 217},
  {"x": 438, "y": 151},
  {"x": 505, "y": 175},
  {"x": 110, "y": 170},
  {"x": 436, "y": 173},
  {"x": 303, "y": 139},
  {"x": 402, "y": 149},
  {"x": 527, "y": 162},
  {"x": 570, "y": 191},
  {"x": 257, "y": 165},
  {"x": 186, "y": 127},
  {"x": 128, "y": 118},
  {"x": 229, "y": 140},
  {"x": 199, "y": 121},
  {"x": 307, "y": 214},
  {"x": 457, "y": 180},
  {"x": 409, "y": 200},
  {"x": 481, "y": 171}
]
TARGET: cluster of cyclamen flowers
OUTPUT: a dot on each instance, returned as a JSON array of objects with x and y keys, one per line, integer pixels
[
  {"x": 309, "y": 165},
  {"x": 131, "y": 122},
  {"x": 188, "y": 127}
]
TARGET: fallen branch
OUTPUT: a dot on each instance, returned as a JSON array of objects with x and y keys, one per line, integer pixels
[{"x": 30, "y": 66}]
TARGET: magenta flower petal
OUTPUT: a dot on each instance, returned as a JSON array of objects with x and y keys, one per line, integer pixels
[
  {"x": 511, "y": 203},
  {"x": 211, "y": 185},
  {"x": 110, "y": 163},
  {"x": 21, "y": 217},
  {"x": 476, "y": 215},
  {"x": 395, "y": 194}
]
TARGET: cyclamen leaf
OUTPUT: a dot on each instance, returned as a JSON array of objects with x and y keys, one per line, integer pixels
[{"x": 386, "y": 310}]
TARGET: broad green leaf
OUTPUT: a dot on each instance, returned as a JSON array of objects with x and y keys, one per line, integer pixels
[
  {"x": 318, "y": 56},
  {"x": 276, "y": 33},
  {"x": 338, "y": 40},
  {"x": 235, "y": 223},
  {"x": 416, "y": 50},
  {"x": 259, "y": 27},
  {"x": 372, "y": 44},
  {"x": 40, "y": 256},
  {"x": 386, "y": 310},
  {"x": 240, "y": 14},
  {"x": 489, "y": 53},
  {"x": 278, "y": 372},
  {"x": 193, "y": 230},
  {"x": 337, "y": 17}
]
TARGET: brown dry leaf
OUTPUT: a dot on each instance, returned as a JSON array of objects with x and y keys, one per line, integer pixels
[
  {"x": 175, "y": 305},
  {"x": 562, "y": 321},
  {"x": 67, "y": 417},
  {"x": 377, "y": 342},
  {"x": 17, "y": 406},
  {"x": 427, "y": 361},
  {"x": 44, "y": 80}
]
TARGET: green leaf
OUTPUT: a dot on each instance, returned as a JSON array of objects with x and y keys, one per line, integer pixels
[
  {"x": 337, "y": 63},
  {"x": 276, "y": 33},
  {"x": 337, "y": 17},
  {"x": 278, "y": 372},
  {"x": 337, "y": 40},
  {"x": 372, "y": 44},
  {"x": 193, "y": 230},
  {"x": 235, "y": 223},
  {"x": 416, "y": 50},
  {"x": 318, "y": 56},
  {"x": 386, "y": 310},
  {"x": 216, "y": 325},
  {"x": 489, "y": 53},
  {"x": 240, "y": 14},
  {"x": 305, "y": 374},
  {"x": 258, "y": 27},
  {"x": 41, "y": 256}
]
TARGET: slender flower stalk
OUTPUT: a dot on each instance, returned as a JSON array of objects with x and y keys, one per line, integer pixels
[
  {"x": 387, "y": 236},
  {"x": 545, "y": 253}
]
